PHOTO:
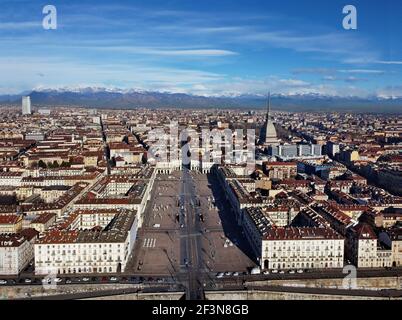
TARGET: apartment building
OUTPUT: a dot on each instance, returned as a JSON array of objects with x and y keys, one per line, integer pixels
[
  {"x": 10, "y": 223},
  {"x": 281, "y": 170},
  {"x": 302, "y": 248},
  {"x": 16, "y": 251},
  {"x": 43, "y": 222},
  {"x": 364, "y": 249},
  {"x": 82, "y": 245}
]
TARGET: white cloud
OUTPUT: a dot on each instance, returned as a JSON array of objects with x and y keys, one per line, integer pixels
[
  {"x": 7, "y": 26},
  {"x": 166, "y": 51},
  {"x": 354, "y": 79},
  {"x": 25, "y": 74},
  {"x": 389, "y": 62},
  {"x": 390, "y": 92},
  {"x": 362, "y": 71},
  {"x": 335, "y": 44},
  {"x": 313, "y": 71},
  {"x": 293, "y": 83},
  {"x": 330, "y": 78},
  {"x": 48, "y": 72}
]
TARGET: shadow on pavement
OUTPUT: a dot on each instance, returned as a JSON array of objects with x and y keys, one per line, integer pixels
[{"x": 232, "y": 231}]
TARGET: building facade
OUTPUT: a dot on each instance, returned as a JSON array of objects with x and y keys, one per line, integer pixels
[
  {"x": 302, "y": 248},
  {"x": 26, "y": 105},
  {"x": 91, "y": 241},
  {"x": 16, "y": 251}
]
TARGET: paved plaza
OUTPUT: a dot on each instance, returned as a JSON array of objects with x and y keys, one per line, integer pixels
[{"x": 157, "y": 251}]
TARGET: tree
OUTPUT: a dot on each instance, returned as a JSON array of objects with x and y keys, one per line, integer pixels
[
  {"x": 65, "y": 164},
  {"x": 42, "y": 164},
  {"x": 53, "y": 165}
]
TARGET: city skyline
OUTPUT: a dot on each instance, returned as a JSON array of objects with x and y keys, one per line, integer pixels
[
  {"x": 115, "y": 199},
  {"x": 224, "y": 49},
  {"x": 201, "y": 151}
]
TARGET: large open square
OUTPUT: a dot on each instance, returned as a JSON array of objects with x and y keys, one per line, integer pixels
[{"x": 158, "y": 251}]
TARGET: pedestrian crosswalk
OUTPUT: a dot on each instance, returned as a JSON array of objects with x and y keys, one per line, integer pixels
[{"x": 149, "y": 243}]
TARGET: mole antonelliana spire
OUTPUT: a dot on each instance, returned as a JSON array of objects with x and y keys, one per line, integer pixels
[
  {"x": 268, "y": 135},
  {"x": 269, "y": 106}
]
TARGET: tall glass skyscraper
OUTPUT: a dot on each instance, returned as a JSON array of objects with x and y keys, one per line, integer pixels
[{"x": 26, "y": 105}]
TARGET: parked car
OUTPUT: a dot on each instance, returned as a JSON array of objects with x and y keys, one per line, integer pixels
[
  {"x": 85, "y": 279},
  {"x": 2, "y": 282},
  {"x": 28, "y": 281},
  {"x": 220, "y": 275},
  {"x": 266, "y": 272},
  {"x": 256, "y": 271},
  {"x": 236, "y": 274},
  {"x": 50, "y": 280},
  {"x": 300, "y": 271},
  {"x": 134, "y": 280},
  {"x": 113, "y": 279},
  {"x": 275, "y": 271}
]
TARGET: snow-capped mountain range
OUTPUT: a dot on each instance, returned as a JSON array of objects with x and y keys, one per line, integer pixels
[{"x": 111, "y": 97}]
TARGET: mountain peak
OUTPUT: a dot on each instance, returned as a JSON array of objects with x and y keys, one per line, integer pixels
[
  {"x": 85, "y": 89},
  {"x": 112, "y": 97}
]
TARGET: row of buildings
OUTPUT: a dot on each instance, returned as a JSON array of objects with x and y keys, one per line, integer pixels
[
  {"x": 72, "y": 196},
  {"x": 290, "y": 227}
]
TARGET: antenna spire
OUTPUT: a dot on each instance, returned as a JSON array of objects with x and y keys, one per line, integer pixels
[{"x": 269, "y": 105}]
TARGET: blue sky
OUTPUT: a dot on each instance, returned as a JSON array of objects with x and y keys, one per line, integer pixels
[{"x": 204, "y": 47}]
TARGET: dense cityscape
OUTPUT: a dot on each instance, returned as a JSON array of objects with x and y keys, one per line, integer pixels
[
  {"x": 201, "y": 158},
  {"x": 88, "y": 198}
]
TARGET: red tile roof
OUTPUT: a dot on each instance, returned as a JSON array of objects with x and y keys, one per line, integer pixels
[
  {"x": 276, "y": 234},
  {"x": 9, "y": 219}
]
